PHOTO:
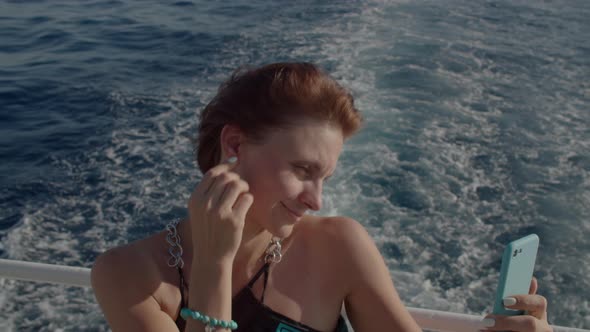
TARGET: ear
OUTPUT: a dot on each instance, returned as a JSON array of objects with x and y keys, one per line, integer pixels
[{"x": 230, "y": 141}]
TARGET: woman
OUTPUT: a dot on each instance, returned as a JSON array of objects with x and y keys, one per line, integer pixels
[{"x": 248, "y": 252}]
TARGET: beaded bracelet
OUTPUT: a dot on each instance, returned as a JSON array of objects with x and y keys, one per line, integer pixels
[{"x": 187, "y": 313}]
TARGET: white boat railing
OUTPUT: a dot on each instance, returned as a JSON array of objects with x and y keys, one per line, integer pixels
[{"x": 78, "y": 276}]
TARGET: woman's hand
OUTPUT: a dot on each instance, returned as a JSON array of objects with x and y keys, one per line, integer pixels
[
  {"x": 534, "y": 320},
  {"x": 217, "y": 210}
]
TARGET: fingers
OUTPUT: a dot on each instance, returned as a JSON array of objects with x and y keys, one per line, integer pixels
[
  {"x": 217, "y": 228},
  {"x": 517, "y": 323},
  {"x": 535, "y": 305},
  {"x": 211, "y": 175},
  {"x": 243, "y": 205},
  {"x": 535, "y": 318},
  {"x": 534, "y": 286},
  {"x": 233, "y": 189},
  {"x": 221, "y": 188}
]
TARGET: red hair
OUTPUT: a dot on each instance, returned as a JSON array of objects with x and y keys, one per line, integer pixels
[{"x": 272, "y": 96}]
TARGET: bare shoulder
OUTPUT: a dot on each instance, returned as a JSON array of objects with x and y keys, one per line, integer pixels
[
  {"x": 124, "y": 280},
  {"x": 343, "y": 242},
  {"x": 370, "y": 298},
  {"x": 346, "y": 244},
  {"x": 120, "y": 268},
  {"x": 122, "y": 259},
  {"x": 339, "y": 232}
]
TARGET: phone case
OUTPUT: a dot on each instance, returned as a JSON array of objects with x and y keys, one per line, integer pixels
[{"x": 518, "y": 263}]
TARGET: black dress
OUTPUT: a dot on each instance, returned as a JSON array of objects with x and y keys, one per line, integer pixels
[{"x": 252, "y": 315}]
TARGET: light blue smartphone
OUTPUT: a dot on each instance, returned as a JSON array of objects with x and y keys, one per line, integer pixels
[{"x": 518, "y": 263}]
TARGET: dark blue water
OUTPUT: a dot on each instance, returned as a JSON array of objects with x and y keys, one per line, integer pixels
[{"x": 477, "y": 132}]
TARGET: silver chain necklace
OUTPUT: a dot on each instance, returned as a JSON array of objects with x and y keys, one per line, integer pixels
[
  {"x": 175, "y": 248},
  {"x": 272, "y": 254}
]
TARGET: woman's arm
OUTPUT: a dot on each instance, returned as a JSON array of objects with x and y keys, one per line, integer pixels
[
  {"x": 372, "y": 302},
  {"x": 121, "y": 284},
  {"x": 217, "y": 213},
  {"x": 210, "y": 293}
]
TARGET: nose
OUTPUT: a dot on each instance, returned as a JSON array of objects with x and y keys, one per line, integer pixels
[{"x": 312, "y": 195}]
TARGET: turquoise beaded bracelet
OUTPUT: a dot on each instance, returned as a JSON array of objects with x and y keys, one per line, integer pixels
[{"x": 187, "y": 313}]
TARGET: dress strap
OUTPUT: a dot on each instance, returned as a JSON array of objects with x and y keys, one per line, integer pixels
[
  {"x": 264, "y": 269},
  {"x": 183, "y": 286}
]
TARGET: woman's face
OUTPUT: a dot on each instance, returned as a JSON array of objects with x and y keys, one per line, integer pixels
[{"x": 286, "y": 172}]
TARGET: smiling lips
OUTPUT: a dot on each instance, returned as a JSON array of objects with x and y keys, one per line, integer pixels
[{"x": 295, "y": 214}]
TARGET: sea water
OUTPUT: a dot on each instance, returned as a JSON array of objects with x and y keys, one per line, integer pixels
[{"x": 476, "y": 133}]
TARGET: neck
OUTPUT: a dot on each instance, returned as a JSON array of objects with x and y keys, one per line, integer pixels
[{"x": 255, "y": 239}]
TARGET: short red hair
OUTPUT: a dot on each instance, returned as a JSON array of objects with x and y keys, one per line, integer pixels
[{"x": 272, "y": 96}]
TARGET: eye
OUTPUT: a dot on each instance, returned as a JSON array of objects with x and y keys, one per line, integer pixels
[{"x": 302, "y": 170}]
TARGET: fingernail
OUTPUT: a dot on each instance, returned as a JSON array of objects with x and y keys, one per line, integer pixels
[
  {"x": 488, "y": 322},
  {"x": 232, "y": 160},
  {"x": 509, "y": 301}
]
